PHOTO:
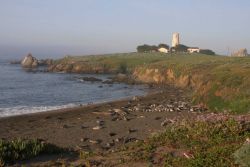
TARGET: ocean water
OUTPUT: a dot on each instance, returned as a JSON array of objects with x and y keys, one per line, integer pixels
[{"x": 23, "y": 92}]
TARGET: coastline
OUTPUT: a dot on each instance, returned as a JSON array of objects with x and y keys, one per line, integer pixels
[
  {"x": 82, "y": 106},
  {"x": 62, "y": 110},
  {"x": 55, "y": 91},
  {"x": 73, "y": 127},
  {"x": 108, "y": 127}
]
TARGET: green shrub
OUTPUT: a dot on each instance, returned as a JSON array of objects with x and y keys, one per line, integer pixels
[
  {"x": 210, "y": 144},
  {"x": 207, "y": 52},
  {"x": 162, "y": 45},
  {"x": 85, "y": 154},
  {"x": 180, "y": 48},
  {"x": 123, "y": 68},
  {"x": 242, "y": 155},
  {"x": 146, "y": 48},
  {"x": 20, "y": 149}
]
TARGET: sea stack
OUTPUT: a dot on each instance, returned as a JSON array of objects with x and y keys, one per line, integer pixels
[{"x": 29, "y": 61}]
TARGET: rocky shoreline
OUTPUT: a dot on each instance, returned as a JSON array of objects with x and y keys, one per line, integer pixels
[
  {"x": 108, "y": 126},
  {"x": 103, "y": 126}
]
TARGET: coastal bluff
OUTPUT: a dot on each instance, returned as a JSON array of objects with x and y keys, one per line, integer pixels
[{"x": 218, "y": 82}]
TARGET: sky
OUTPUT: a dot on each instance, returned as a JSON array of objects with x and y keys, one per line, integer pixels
[{"x": 55, "y": 28}]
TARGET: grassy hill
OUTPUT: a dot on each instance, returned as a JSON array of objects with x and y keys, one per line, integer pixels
[{"x": 219, "y": 82}]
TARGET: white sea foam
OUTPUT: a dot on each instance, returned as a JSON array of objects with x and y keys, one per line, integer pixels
[{"x": 20, "y": 110}]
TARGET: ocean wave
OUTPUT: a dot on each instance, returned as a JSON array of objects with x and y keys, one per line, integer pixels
[{"x": 21, "y": 110}]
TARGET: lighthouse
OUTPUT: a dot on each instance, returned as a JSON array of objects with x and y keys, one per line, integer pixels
[{"x": 176, "y": 39}]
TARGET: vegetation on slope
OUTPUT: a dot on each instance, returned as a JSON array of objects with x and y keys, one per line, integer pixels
[
  {"x": 20, "y": 149},
  {"x": 185, "y": 144},
  {"x": 219, "y": 82},
  {"x": 195, "y": 144},
  {"x": 105, "y": 63}
]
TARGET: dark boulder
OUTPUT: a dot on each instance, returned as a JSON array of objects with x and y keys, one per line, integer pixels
[{"x": 90, "y": 79}]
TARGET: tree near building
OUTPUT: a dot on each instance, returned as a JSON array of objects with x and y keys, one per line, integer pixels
[
  {"x": 207, "y": 52},
  {"x": 163, "y": 46},
  {"x": 146, "y": 48},
  {"x": 180, "y": 48},
  {"x": 142, "y": 48}
]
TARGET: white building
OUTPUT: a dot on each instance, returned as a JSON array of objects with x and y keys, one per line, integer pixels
[
  {"x": 240, "y": 53},
  {"x": 163, "y": 50},
  {"x": 194, "y": 50}
]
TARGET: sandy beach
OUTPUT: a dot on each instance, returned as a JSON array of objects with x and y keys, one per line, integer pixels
[
  {"x": 103, "y": 126},
  {"x": 103, "y": 129}
]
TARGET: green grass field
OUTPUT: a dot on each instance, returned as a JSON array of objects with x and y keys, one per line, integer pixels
[{"x": 219, "y": 82}]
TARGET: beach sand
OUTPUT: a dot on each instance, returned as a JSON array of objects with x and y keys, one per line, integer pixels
[
  {"x": 66, "y": 127},
  {"x": 74, "y": 128}
]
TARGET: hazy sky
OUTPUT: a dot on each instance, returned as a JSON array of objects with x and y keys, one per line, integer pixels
[{"x": 59, "y": 27}]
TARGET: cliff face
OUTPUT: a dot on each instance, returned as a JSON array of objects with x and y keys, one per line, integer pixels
[
  {"x": 157, "y": 76},
  {"x": 206, "y": 91}
]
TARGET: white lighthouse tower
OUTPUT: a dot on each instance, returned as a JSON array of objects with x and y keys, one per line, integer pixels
[{"x": 176, "y": 39}]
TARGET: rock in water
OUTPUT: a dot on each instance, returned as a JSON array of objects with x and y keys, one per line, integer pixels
[
  {"x": 29, "y": 62},
  {"x": 91, "y": 79}
]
